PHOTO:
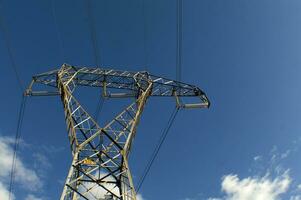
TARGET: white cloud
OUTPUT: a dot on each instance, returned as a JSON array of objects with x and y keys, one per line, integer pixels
[
  {"x": 52, "y": 149},
  {"x": 32, "y": 197},
  {"x": 4, "y": 193},
  {"x": 257, "y": 158},
  {"x": 262, "y": 186},
  {"x": 139, "y": 197},
  {"x": 23, "y": 175},
  {"x": 253, "y": 188},
  {"x": 41, "y": 161},
  {"x": 285, "y": 154},
  {"x": 298, "y": 197}
]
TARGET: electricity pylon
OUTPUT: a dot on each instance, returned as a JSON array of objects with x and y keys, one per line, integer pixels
[{"x": 100, "y": 168}]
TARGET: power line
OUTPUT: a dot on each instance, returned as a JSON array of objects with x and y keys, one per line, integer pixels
[
  {"x": 179, "y": 40},
  {"x": 10, "y": 54},
  {"x": 158, "y": 147},
  {"x": 22, "y": 107},
  {"x": 174, "y": 113},
  {"x": 16, "y": 145},
  {"x": 93, "y": 33},
  {"x": 144, "y": 16},
  {"x": 99, "y": 108},
  {"x": 96, "y": 52},
  {"x": 59, "y": 37}
]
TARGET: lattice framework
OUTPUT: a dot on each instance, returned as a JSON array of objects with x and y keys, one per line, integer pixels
[{"x": 100, "y": 167}]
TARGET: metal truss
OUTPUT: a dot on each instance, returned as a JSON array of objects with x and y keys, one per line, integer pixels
[{"x": 100, "y": 168}]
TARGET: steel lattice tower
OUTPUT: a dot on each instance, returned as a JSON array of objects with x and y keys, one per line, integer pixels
[{"x": 100, "y": 168}]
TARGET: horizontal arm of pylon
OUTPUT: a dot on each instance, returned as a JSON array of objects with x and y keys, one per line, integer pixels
[{"x": 130, "y": 82}]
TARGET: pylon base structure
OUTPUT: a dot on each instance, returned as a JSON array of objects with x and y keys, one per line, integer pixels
[{"x": 100, "y": 168}]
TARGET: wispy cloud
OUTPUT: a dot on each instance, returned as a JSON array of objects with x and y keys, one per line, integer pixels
[
  {"x": 257, "y": 158},
  {"x": 25, "y": 177},
  {"x": 33, "y": 197},
  {"x": 297, "y": 197},
  {"x": 254, "y": 188},
  {"x": 41, "y": 161},
  {"x": 52, "y": 149},
  {"x": 139, "y": 197},
  {"x": 270, "y": 179},
  {"x": 4, "y": 193}
]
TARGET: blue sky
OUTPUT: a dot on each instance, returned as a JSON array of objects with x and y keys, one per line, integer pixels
[{"x": 244, "y": 54}]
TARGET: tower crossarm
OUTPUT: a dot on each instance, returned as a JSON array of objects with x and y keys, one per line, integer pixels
[{"x": 121, "y": 84}]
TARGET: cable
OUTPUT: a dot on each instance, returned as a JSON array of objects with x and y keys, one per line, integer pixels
[
  {"x": 16, "y": 145},
  {"x": 96, "y": 52},
  {"x": 22, "y": 107},
  {"x": 158, "y": 147},
  {"x": 99, "y": 108},
  {"x": 93, "y": 33},
  {"x": 10, "y": 54},
  {"x": 144, "y": 16},
  {"x": 179, "y": 41},
  {"x": 58, "y": 31},
  {"x": 174, "y": 113}
]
